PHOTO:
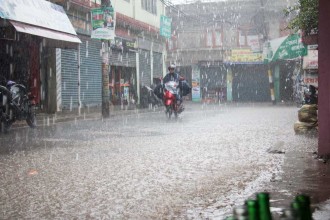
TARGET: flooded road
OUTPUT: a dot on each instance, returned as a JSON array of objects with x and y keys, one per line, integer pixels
[{"x": 143, "y": 166}]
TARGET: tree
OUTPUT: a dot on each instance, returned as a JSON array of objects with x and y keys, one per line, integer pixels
[{"x": 304, "y": 15}]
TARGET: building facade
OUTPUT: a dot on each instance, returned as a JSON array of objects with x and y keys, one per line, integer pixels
[
  {"x": 222, "y": 43},
  {"x": 28, "y": 45},
  {"x": 136, "y": 54}
]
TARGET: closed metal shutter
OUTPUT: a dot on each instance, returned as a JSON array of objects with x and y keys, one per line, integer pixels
[
  {"x": 158, "y": 65},
  {"x": 250, "y": 83},
  {"x": 69, "y": 63},
  {"x": 91, "y": 72},
  {"x": 145, "y": 67},
  {"x": 90, "y": 75},
  {"x": 117, "y": 58}
]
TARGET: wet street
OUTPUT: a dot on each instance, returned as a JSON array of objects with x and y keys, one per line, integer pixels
[{"x": 142, "y": 166}]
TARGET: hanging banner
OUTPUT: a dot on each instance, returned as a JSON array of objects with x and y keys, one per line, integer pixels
[
  {"x": 284, "y": 48},
  {"x": 165, "y": 26},
  {"x": 195, "y": 82},
  {"x": 103, "y": 23}
]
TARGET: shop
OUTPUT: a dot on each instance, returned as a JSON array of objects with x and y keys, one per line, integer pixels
[
  {"x": 28, "y": 46},
  {"x": 88, "y": 74},
  {"x": 250, "y": 83},
  {"x": 310, "y": 66},
  {"x": 15, "y": 63},
  {"x": 150, "y": 67},
  {"x": 247, "y": 78},
  {"x": 122, "y": 78},
  {"x": 213, "y": 81}
]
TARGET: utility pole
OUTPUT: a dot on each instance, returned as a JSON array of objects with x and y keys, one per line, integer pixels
[
  {"x": 270, "y": 75},
  {"x": 105, "y": 71}
]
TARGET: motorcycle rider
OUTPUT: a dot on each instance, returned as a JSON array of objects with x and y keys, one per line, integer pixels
[{"x": 174, "y": 76}]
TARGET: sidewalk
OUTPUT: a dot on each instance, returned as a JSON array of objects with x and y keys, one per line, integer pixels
[
  {"x": 303, "y": 173},
  {"x": 88, "y": 113}
]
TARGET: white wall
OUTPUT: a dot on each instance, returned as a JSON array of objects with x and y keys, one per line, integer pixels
[{"x": 127, "y": 8}]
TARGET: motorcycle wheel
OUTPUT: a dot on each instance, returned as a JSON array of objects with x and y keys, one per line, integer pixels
[
  {"x": 31, "y": 119},
  {"x": 169, "y": 112},
  {"x": 176, "y": 115}
]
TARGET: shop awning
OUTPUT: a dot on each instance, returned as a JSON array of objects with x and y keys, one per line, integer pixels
[
  {"x": 43, "y": 32},
  {"x": 39, "y": 17}
]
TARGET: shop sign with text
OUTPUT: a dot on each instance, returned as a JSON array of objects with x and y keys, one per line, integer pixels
[{"x": 311, "y": 60}]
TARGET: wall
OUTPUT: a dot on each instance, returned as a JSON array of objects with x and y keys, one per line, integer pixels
[
  {"x": 324, "y": 79},
  {"x": 127, "y": 8}
]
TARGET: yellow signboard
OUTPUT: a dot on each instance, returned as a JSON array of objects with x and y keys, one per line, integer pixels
[{"x": 244, "y": 55}]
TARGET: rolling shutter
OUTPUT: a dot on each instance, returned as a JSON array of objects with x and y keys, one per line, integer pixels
[
  {"x": 145, "y": 67},
  {"x": 126, "y": 58},
  {"x": 158, "y": 65},
  {"x": 90, "y": 74}
]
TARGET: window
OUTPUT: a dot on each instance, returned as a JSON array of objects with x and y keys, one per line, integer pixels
[
  {"x": 218, "y": 39},
  {"x": 209, "y": 39},
  {"x": 150, "y": 6}
]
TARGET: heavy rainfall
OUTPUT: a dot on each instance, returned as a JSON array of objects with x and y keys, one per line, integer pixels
[{"x": 157, "y": 109}]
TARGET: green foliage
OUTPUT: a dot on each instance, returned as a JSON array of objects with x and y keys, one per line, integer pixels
[{"x": 304, "y": 15}]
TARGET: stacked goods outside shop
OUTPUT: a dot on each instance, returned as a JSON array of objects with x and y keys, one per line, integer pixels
[{"x": 307, "y": 120}]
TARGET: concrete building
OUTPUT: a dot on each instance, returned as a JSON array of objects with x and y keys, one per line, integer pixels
[
  {"x": 136, "y": 57},
  {"x": 29, "y": 33},
  {"x": 221, "y": 43}
]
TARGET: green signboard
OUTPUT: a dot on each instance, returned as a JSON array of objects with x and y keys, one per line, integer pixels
[
  {"x": 165, "y": 26},
  {"x": 103, "y": 23},
  {"x": 284, "y": 48}
]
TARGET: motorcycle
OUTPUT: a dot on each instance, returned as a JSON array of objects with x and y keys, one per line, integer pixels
[
  {"x": 16, "y": 104},
  {"x": 148, "y": 98},
  {"x": 172, "y": 105},
  {"x": 310, "y": 95}
]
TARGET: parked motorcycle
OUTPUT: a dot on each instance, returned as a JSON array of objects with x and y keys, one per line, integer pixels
[
  {"x": 310, "y": 95},
  {"x": 16, "y": 104},
  {"x": 148, "y": 97}
]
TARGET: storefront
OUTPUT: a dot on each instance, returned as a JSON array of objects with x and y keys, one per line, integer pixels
[
  {"x": 250, "y": 83},
  {"x": 310, "y": 66},
  {"x": 123, "y": 83},
  {"x": 29, "y": 43},
  {"x": 247, "y": 79},
  {"x": 213, "y": 81},
  {"x": 90, "y": 77}
]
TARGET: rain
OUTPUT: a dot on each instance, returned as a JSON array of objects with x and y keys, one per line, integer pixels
[
  {"x": 91, "y": 169},
  {"x": 156, "y": 109}
]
